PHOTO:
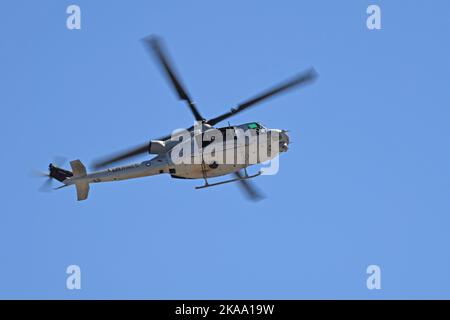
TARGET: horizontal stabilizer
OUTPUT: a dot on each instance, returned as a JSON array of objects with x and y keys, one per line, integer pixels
[
  {"x": 79, "y": 170},
  {"x": 82, "y": 190}
]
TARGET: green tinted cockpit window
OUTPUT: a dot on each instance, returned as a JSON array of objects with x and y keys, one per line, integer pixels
[{"x": 253, "y": 126}]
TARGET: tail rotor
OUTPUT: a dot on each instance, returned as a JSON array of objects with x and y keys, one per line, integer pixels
[{"x": 54, "y": 173}]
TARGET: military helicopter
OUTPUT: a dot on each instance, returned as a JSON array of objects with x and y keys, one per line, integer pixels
[{"x": 202, "y": 134}]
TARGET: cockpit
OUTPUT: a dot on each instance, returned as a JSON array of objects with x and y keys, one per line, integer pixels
[
  {"x": 251, "y": 125},
  {"x": 251, "y": 128},
  {"x": 254, "y": 127}
]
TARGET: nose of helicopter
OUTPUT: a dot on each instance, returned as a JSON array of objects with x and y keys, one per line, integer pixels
[
  {"x": 284, "y": 137},
  {"x": 284, "y": 141}
]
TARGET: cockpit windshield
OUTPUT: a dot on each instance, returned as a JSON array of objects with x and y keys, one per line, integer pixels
[
  {"x": 254, "y": 125},
  {"x": 247, "y": 126}
]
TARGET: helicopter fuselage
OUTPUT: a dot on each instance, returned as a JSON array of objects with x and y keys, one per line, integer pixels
[{"x": 228, "y": 157}]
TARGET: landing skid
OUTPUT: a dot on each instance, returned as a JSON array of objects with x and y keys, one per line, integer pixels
[{"x": 245, "y": 177}]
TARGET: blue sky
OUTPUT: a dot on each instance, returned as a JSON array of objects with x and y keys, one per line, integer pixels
[{"x": 366, "y": 181}]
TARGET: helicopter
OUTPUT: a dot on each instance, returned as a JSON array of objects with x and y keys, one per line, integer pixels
[{"x": 192, "y": 144}]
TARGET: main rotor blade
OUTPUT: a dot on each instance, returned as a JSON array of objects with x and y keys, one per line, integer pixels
[
  {"x": 155, "y": 45},
  {"x": 106, "y": 161},
  {"x": 174, "y": 134},
  {"x": 301, "y": 79},
  {"x": 130, "y": 153},
  {"x": 247, "y": 187}
]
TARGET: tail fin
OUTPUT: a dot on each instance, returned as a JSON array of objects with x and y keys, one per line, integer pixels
[
  {"x": 79, "y": 170},
  {"x": 58, "y": 173}
]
